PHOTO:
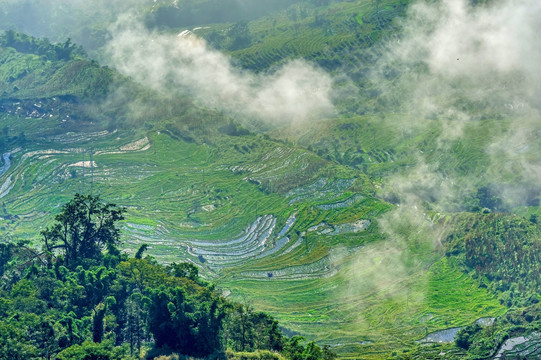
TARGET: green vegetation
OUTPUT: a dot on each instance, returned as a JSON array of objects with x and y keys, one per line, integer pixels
[
  {"x": 36, "y": 69},
  {"x": 325, "y": 226},
  {"x": 73, "y": 302},
  {"x": 503, "y": 251}
]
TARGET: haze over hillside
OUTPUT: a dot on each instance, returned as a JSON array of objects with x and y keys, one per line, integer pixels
[{"x": 366, "y": 171}]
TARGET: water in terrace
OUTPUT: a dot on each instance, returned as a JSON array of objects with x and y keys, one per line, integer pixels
[{"x": 7, "y": 163}]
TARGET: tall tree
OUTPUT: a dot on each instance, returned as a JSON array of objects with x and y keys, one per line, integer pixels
[
  {"x": 97, "y": 323},
  {"x": 83, "y": 229}
]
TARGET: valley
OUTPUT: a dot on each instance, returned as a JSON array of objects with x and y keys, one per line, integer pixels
[{"x": 370, "y": 224}]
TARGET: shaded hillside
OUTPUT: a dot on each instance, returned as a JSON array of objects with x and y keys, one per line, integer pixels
[{"x": 34, "y": 69}]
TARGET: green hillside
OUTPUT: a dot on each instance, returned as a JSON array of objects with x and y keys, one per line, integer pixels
[{"x": 409, "y": 209}]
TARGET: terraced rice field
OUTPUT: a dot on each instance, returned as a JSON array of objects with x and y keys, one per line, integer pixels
[
  {"x": 326, "y": 38},
  {"x": 270, "y": 223},
  {"x": 292, "y": 226},
  {"x": 374, "y": 316},
  {"x": 522, "y": 347}
]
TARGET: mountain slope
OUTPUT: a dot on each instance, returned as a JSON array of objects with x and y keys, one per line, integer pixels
[{"x": 355, "y": 229}]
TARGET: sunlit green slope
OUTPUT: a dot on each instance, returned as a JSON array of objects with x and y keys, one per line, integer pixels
[{"x": 299, "y": 221}]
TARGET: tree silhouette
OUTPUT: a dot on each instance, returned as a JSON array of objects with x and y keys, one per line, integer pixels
[{"x": 83, "y": 229}]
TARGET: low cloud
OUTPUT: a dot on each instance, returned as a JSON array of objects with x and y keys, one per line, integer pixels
[
  {"x": 454, "y": 70},
  {"x": 173, "y": 64},
  {"x": 457, "y": 64}
]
